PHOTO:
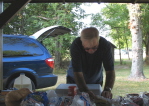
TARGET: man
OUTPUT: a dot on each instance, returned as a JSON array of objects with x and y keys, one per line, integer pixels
[{"x": 89, "y": 52}]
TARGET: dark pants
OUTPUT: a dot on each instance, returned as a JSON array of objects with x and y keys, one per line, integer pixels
[{"x": 70, "y": 80}]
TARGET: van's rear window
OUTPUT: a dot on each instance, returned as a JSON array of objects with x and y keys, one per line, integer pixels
[{"x": 13, "y": 46}]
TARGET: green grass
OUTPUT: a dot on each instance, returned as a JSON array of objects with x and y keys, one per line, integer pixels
[{"x": 122, "y": 85}]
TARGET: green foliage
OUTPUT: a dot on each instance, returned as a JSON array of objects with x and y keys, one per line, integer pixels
[
  {"x": 114, "y": 17},
  {"x": 65, "y": 40},
  {"x": 15, "y": 53},
  {"x": 144, "y": 24},
  {"x": 32, "y": 18}
]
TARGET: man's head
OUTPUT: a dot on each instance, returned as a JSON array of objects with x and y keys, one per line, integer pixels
[{"x": 90, "y": 39}]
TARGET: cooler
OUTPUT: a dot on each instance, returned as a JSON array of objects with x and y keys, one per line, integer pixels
[{"x": 62, "y": 89}]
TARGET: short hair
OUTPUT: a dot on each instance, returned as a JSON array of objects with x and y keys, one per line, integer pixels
[{"x": 89, "y": 33}]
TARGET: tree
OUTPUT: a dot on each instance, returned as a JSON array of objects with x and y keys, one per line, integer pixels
[
  {"x": 145, "y": 32},
  {"x": 137, "y": 51},
  {"x": 64, "y": 15},
  {"x": 116, "y": 17}
]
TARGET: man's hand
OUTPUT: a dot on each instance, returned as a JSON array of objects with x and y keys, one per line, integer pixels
[
  {"x": 107, "y": 94},
  {"x": 91, "y": 95}
]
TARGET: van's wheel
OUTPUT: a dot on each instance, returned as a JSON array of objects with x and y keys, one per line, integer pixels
[{"x": 10, "y": 85}]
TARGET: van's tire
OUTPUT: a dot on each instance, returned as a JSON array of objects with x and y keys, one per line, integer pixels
[{"x": 10, "y": 85}]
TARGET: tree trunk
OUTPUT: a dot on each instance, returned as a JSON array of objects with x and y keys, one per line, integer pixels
[
  {"x": 126, "y": 40},
  {"x": 147, "y": 50},
  {"x": 119, "y": 46},
  {"x": 137, "y": 49},
  {"x": 147, "y": 56},
  {"x": 58, "y": 58}
]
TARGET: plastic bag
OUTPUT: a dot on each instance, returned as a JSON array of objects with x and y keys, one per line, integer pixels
[
  {"x": 52, "y": 97},
  {"x": 117, "y": 101},
  {"x": 82, "y": 100},
  {"x": 51, "y": 93},
  {"x": 77, "y": 101},
  {"x": 145, "y": 96},
  {"x": 36, "y": 99}
]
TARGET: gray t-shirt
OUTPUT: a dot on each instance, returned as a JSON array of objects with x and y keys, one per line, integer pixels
[{"x": 91, "y": 64}]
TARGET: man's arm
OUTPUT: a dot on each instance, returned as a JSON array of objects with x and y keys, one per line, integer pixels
[
  {"x": 79, "y": 79},
  {"x": 110, "y": 79},
  {"x": 109, "y": 83}
]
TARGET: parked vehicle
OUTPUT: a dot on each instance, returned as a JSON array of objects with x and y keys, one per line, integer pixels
[
  {"x": 123, "y": 52},
  {"x": 26, "y": 54}
]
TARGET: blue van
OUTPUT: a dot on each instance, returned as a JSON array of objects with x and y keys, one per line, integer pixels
[{"x": 26, "y": 54}]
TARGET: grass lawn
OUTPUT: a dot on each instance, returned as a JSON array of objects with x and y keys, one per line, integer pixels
[{"x": 122, "y": 85}]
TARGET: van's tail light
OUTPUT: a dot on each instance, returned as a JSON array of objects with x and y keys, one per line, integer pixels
[{"x": 50, "y": 62}]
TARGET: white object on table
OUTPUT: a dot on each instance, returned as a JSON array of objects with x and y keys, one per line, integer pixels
[{"x": 62, "y": 89}]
